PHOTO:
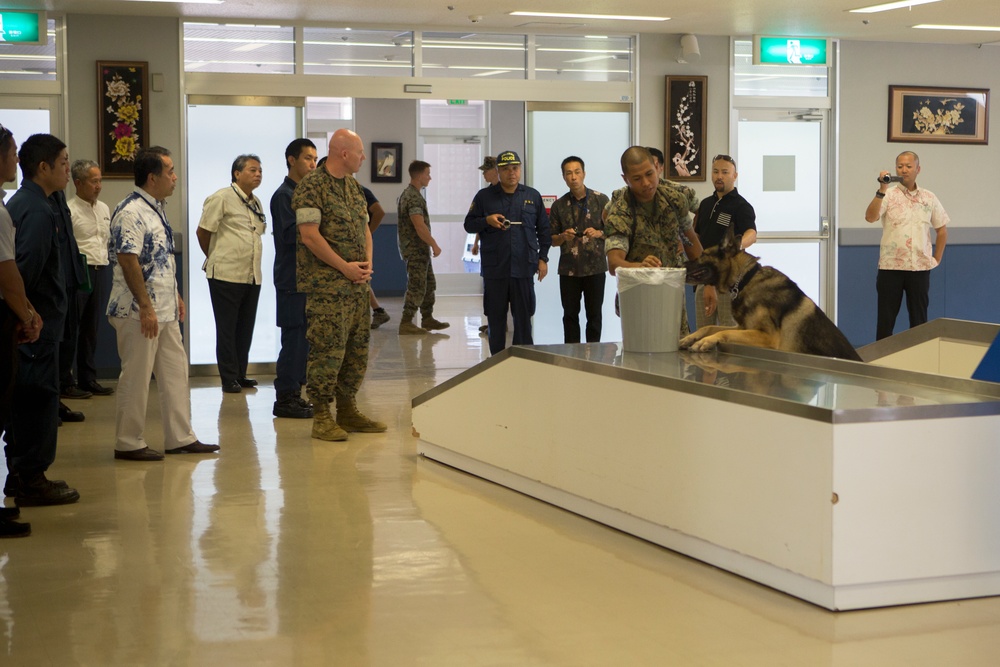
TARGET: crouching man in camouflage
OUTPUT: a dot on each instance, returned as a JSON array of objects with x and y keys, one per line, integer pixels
[{"x": 333, "y": 266}]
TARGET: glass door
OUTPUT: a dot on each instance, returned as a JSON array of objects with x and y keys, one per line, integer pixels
[
  {"x": 781, "y": 158},
  {"x": 217, "y": 133},
  {"x": 25, "y": 116}
]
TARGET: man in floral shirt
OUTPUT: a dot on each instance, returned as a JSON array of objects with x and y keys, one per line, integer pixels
[
  {"x": 578, "y": 228},
  {"x": 906, "y": 255}
]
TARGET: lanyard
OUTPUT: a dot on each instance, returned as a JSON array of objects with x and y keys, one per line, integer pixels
[
  {"x": 166, "y": 225},
  {"x": 251, "y": 204},
  {"x": 583, "y": 211}
]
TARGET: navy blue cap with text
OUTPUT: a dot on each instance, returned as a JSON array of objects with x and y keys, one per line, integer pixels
[{"x": 508, "y": 157}]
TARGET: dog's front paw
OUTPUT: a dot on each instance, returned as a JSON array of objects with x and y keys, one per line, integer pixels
[
  {"x": 687, "y": 341},
  {"x": 706, "y": 344}
]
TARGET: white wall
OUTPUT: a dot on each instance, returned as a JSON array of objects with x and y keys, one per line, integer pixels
[
  {"x": 958, "y": 175},
  {"x": 657, "y": 59}
]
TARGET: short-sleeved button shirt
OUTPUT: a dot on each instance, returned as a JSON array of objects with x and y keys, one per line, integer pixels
[
  {"x": 582, "y": 255},
  {"x": 411, "y": 202},
  {"x": 907, "y": 218},
  {"x": 237, "y": 223},
  {"x": 716, "y": 216},
  {"x": 139, "y": 227},
  {"x": 631, "y": 229},
  {"x": 338, "y": 206}
]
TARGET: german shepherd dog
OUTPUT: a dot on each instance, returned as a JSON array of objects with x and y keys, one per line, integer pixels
[{"x": 770, "y": 310}]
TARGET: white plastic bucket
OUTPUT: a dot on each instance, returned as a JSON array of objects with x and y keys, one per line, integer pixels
[{"x": 650, "y": 302}]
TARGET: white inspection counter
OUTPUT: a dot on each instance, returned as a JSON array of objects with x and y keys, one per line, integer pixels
[{"x": 844, "y": 484}]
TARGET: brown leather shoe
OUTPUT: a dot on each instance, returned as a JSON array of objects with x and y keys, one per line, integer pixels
[
  {"x": 35, "y": 490},
  {"x": 144, "y": 454},
  {"x": 193, "y": 448}
]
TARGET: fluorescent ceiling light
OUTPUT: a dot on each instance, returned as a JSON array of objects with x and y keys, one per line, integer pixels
[
  {"x": 891, "y": 5},
  {"x": 986, "y": 28},
  {"x": 601, "y": 17},
  {"x": 184, "y": 2}
]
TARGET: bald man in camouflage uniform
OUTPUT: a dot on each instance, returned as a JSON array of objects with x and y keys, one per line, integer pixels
[
  {"x": 649, "y": 220},
  {"x": 333, "y": 268}
]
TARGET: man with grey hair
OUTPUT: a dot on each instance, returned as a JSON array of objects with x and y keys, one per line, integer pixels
[
  {"x": 229, "y": 233},
  {"x": 92, "y": 229}
]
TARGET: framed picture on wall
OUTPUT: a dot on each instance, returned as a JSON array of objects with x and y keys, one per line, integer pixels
[
  {"x": 921, "y": 114},
  {"x": 387, "y": 163},
  {"x": 687, "y": 105},
  {"x": 122, "y": 115}
]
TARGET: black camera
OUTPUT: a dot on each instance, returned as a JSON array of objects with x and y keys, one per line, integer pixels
[{"x": 889, "y": 179}]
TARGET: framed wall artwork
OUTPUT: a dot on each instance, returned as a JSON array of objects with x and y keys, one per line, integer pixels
[
  {"x": 387, "y": 163},
  {"x": 123, "y": 115},
  {"x": 938, "y": 115},
  {"x": 687, "y": 105}
]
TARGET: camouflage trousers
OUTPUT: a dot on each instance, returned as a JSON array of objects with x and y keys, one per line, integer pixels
[
  {"x": 338, "y": 327},
  {"x": 420, "y": 287}
]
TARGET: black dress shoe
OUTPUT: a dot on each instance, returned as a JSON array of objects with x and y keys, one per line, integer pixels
[
  {"x": 247, "y": 383},
  {"x": 144, "y": 454},
  {"x": 97, "y": 389},
  {"x": 74, "y": 392},
  {"x": 292, "y": 409},
  {"x": 68, "y": 415},
  {"x": 232, "y": 387},
  {"x": 9, "y": 513},
  {"x": 35, "y": 490},
  {"x": 194, "y": 448},
  {"x": 14, "y": 528},
  {"x": 13, "y": 483}
]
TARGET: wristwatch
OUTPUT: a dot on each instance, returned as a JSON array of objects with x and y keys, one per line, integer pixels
[{"x": 880, "y": 194}]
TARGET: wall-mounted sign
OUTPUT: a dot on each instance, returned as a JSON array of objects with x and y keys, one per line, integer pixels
[
  {"x": 791, "y": 51},
  {"x": 22, "y": 27}
]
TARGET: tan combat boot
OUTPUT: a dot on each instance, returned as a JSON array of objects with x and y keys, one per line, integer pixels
[
  {"x": 353, "y": 421},
  {"x": 324, "y": 427},
  {"x": 408, "y": 328},
  {"x": 431, "y": 324}
]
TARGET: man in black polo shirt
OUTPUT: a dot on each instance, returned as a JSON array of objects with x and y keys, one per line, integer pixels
[{"x": 716, "y": 215}]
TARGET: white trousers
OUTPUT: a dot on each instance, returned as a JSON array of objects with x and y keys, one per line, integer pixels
[{"x": 163, "y": 356}]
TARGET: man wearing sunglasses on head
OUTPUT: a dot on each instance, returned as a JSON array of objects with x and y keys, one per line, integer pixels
[
  {"x": 726, "y": 210},
  {"x": 229, "y": 233}
]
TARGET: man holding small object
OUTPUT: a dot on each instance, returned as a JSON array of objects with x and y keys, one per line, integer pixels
[
  {"x": 513, "y": 228},
  {"x": 906, "y": 254}
]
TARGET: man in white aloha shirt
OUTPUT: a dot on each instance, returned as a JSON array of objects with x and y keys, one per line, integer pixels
[{"x": 906, "y": 255}]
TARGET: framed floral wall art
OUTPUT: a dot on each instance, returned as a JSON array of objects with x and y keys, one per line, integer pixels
[
  {"x": 921, "y": 114},
  {"x": 123, "y": 116},
  {"x": 687, "y": 105}
]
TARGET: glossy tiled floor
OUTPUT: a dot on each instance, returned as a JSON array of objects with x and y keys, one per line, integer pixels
[{"x": 288, "y": 551}]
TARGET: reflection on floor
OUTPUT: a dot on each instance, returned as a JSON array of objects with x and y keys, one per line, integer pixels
[{"x": 288, "y": 551}]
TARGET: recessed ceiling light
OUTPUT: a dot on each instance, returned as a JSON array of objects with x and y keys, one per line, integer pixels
[
  {"x": 986, "y": 28},
  {"x": 891, "y": 5},
  {"x": 600, "y": 17}
]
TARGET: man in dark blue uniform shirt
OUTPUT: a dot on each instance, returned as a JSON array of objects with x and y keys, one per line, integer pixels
[
  {"x": 514, "y": 241},
  {"x": 290, "y": 370},
  {"x": 42, "y": 233}
]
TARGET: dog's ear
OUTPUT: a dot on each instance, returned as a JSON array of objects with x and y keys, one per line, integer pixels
[{"x": 730, "y": 243}]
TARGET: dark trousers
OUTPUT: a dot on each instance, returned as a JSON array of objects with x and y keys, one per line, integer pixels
[
  {"x": 290, "y": 370},
  {"x": 890, "y": 286},
  {"x": 90, "y": 306},
  {"x": 8, "y": 359},
  {"x": 30, "y": 432},
  {"x": 517, "y": 294},
  {"x": 235, "y": 308},
  {"x": 591, "y": 288},
  {"x": 67, "y": 348}
]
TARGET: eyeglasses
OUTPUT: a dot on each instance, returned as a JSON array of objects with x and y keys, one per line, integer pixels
[{"x": 727, "y": 158}]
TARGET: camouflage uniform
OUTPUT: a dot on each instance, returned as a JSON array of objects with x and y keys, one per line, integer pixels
[
  {"x": 420, "y": 281},
  {"x": 337, "y": 314},
  {"x": 631, "y": 229}
]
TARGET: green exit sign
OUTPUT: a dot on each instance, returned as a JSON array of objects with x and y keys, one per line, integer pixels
[
  {"x": 791, "y": 51},
  {"x": 459, "y": 102},
  {"x": 22, "y": 27}
]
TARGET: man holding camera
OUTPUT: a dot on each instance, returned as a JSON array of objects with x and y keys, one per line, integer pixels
[{"x": 906, "y": 254}]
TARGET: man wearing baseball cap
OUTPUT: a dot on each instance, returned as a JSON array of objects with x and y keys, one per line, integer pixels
[{"x": 513, "y": 228}]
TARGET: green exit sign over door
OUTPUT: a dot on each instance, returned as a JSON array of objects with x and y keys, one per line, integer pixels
[
  {"x": 22, "y": 27},
  {"x": 791, "y": 51}
]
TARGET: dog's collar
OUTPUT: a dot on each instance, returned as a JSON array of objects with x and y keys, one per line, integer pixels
[{"x": 742, "y": 281}]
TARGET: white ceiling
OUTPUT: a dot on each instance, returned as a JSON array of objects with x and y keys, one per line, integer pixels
[{"x": 826, "y": 18}]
